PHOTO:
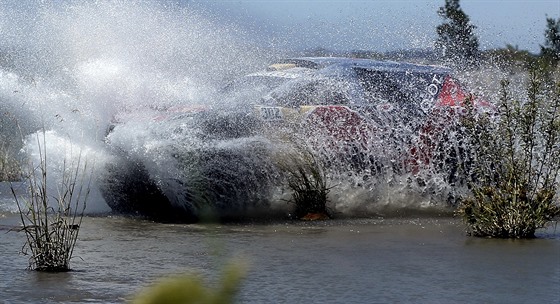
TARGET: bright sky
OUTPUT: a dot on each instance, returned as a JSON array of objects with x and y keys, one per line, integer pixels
[{"x": 381, "y": 25}]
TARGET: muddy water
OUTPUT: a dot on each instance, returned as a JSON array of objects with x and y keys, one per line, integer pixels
[{"x": 423, "y": 260}]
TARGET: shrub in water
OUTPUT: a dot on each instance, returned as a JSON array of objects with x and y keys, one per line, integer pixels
[
  {"x": 514, "y": 177},
  {"x": 52, "y": 231},
  {"x": 307, "y": 179}
]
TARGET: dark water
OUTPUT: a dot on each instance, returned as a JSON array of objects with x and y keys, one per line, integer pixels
[{"x": 426, "y": 260}]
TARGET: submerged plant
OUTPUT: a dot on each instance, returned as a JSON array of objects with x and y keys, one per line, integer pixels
[
  {"x": 515, "y": 173},
  {"x": 52, "y": 231}
]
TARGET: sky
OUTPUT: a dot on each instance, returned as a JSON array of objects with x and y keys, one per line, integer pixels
[{"x": 381, "y": 25}]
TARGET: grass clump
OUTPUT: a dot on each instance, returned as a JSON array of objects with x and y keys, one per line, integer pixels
[
  {"x": 515, "y": 173},
  {"x": 307, "y": 179},
  {"x": 51, "y": 227}
]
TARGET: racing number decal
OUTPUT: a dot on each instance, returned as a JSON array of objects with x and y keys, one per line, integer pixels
[
  {"x": 271, "y": 113},
  {"x": 432, "y": 91}
]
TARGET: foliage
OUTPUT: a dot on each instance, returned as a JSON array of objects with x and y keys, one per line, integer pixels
[
  {"x": 509, "y": 57},
  {"x": 9, "y": 166},
  {"x": 190, "y": 289},
  {"x": 52, "y": 231},
  {"x": 516, "y": 163},
  {"x": 551, "y": 48},
  {"x": 307, "y": 179},
  {"x": 456, "y": 39}
]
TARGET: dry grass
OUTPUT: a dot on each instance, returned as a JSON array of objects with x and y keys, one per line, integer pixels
[{"x": 51, "y": 224}]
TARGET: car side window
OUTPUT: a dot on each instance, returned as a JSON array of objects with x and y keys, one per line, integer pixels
[
  {"x": 382, "y": 86},
  {"x": 312, "y": 92},
  {"x": 402, "y": 87}
]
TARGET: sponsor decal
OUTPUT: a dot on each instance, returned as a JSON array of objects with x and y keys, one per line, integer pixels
[{"x": 431, "y": 93}]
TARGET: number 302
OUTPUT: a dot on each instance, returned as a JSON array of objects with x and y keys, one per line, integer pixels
[{"x": 271, "y": 113}]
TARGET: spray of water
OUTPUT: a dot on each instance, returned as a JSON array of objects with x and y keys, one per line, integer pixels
[
  {"x": 142, "y": 70},
  {"x": 71, "y": 67}
]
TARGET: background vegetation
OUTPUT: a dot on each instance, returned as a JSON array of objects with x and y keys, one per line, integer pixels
[
  {"x": 456, "y": 42},
  {"x": 9, "y": 165}
]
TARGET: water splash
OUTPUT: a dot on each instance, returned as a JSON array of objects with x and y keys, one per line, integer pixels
[
  {"x": 81, "y": 69},
  {"x": 71, "y": 67}
]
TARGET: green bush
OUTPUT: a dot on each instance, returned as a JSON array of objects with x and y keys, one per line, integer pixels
[
  {"x": 516, "y": 166},
  {"x": 515, "y": 173}
]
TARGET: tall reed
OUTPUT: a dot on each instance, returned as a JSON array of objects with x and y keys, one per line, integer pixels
[
  {"x": 51, "y": 222},
  {"x": 515, "y": 173}
]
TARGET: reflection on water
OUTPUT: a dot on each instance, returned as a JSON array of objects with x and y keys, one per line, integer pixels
[{"x": 352, "y": 261}]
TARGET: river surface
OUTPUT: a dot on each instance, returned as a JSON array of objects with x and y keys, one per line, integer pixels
[{"x": 411, "y": 260}]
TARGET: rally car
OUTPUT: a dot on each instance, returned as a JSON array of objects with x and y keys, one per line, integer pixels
[
  {"x": 363, "y": 108},
  {"x": 357, "y": 114}
]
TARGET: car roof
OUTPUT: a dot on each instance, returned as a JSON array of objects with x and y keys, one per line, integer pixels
[{"x": 362, "y": 64}]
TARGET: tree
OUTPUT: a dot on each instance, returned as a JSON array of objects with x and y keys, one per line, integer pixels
[
  {"x": 456, "y": 39},
  {"x": 551, "y": 49}
]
